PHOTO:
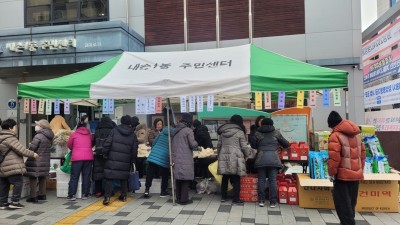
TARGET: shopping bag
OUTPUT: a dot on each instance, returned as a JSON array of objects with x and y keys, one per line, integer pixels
[
  {"x": 66, "y": 167},
  {"x": 134, "y": 180},
  {"x": 213, "y": 168}
]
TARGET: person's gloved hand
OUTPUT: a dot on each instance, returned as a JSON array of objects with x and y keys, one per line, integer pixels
[{"x": 332, "y": 178}]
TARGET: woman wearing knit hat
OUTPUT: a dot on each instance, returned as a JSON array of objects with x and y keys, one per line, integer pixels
[
  {"x": 345, "y": 165},
  {"x": 38, "y": 169}
]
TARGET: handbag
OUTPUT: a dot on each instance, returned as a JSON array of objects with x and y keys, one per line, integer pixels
[
  {"x": 66, "y": 167},
  {"x": 134, "y": 180}
]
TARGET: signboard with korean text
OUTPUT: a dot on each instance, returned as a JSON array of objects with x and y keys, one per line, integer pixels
[{"x": 385, "y": 120}]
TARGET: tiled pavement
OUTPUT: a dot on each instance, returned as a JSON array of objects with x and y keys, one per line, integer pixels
[{"x": 206, "y": 209}]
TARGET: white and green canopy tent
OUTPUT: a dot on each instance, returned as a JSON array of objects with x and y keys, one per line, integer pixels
[{"x": 225, "y": 72}]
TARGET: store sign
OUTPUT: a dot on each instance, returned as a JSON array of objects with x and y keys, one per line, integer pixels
[
  {"x": 383, "y": 94},
  {"x": 385, "y": 120},
  {"x": 32, "y": 46}
]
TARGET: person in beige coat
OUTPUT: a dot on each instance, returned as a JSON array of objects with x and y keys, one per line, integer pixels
[
  {"x": 58, "y": 123},
  {"x": 12, "y": 167}
]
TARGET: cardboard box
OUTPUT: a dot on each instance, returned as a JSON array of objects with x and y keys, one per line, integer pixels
[
  {"x": 319, "y": 140},
  {"x": 377, "y": 193},
  {"x": 314, "y": 193},
  {"x": 51, "y": 184}
]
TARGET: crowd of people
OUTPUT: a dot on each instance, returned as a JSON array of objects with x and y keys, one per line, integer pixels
[{"x": 116, "y": 146}]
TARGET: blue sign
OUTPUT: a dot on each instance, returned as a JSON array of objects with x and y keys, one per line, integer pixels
[{"x": 12, "y": 104}]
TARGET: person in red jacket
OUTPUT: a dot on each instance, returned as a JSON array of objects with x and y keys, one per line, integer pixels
[
  {"x": 80, "y": 143},
  {"x": 345, "y": 165}
]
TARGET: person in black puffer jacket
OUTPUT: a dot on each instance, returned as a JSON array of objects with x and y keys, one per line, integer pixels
[
  {"x": 38, "y": 169},
  {"x": 267, "y": 160},
  {"x": 201, "y": 135},
  {"x": 102, "y": 131},
  {"x": 119, "y": 151}
]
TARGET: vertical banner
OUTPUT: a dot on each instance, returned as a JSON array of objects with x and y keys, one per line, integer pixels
[
  {"x": 192, "y": 103},
  {"x": 300, "y": 99},
  {"x": 57, "y": 106},
  {"x": 110, "y": 106},
  {"x": 152, "y": 103},
  {"x": 26, "y": 105},
  {"x": 158, "y": 104},
  {"x": 147, "y": 106},
  {"x": 258, "y": 100},
  {"x": 105, "y": 106},
  {"x": 281, "y": 100},
  {"x": 33, "y": 106},
  {"x": 325, "y": 97},
  {"x": 312, "y": 95},
  {"x": 336, "y": 97},
  {"x": 67, "y": 110},
  {"x": 183, "y": 104},
  {"x": 48, "y": 107},
  {"x": 210, "y": 103},
  {"x": 267, "y": 100},
  {"x": 137, "y": 106},
  {"x": 200, "y": 103},
  {"x": 41, "y": 106}
]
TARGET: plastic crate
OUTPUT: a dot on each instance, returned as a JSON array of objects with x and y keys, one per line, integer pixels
[
  {"x": 62, "y": 190},
  {"x": 62, "y": 184}
]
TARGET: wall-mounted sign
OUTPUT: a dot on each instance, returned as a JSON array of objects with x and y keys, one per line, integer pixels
[
  {"x": 12, "y": 104},
  {"x": 32, "y": 46}
]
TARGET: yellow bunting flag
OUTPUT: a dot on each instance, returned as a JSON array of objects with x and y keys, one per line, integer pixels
[
  {"x": 258, "y": 101},
  {"x": 300, "y": 99}
]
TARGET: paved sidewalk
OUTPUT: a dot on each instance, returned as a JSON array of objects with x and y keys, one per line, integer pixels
[{"x": 206, "y": 209}]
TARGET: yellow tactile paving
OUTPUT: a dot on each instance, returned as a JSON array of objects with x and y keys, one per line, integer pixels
[{"x": 114, "y": 205}]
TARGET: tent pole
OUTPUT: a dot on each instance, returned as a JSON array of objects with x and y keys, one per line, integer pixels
[
  {"x": 18, "y": 115},
  {"x": 170, "y": 153}
]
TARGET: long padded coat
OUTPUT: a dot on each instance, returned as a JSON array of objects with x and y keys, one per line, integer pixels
[
  {"x": 41, "y": 144},
  {"x": 120, "y": 151},
  {"x": 183, "y": 144},
  {"x": 102, "y": 131},
  {"x": 232, "y": 150}
]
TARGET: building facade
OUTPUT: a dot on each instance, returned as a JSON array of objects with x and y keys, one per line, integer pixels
[{"x": 324, "y": 33}]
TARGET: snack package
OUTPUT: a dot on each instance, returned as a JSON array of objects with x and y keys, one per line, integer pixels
[
  {"x": 324, "y": 165},
  {"x": 368, "y": 165},
  {"x": 378, "y": 165},
  {"x": 374, "y": 146},
  {"x": 317, "y": 165},
  {"x": 386, "y": 164}
]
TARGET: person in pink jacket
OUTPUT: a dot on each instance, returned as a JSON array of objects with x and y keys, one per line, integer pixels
[{"x": 80, "y": 143}]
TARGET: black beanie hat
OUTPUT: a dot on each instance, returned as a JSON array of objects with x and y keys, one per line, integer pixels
[
  {"x": 267, "y": 121},
  {"x": 334, "y": 119},
  {"x": 126, "y": 120},
  {"x": 196, "y": 123},
  {"x": 134, "y": 121}
]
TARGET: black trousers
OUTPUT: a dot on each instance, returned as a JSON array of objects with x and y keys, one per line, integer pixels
[
  {"x": 345, "y": 195},
  {"x": 5, "y": 183},
  {"x": 151, "y": 171},
  {"x": 235, "y": 181},
  {"x": 78, "y": 167},
  {"x": 182, "y": 190},
  {"x": 109, "y": 187}
]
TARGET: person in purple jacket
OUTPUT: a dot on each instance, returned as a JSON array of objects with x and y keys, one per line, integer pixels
[{"x": 80, "y": 143}]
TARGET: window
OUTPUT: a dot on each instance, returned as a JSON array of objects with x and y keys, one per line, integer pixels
[{"x": 56, "y": 12}]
